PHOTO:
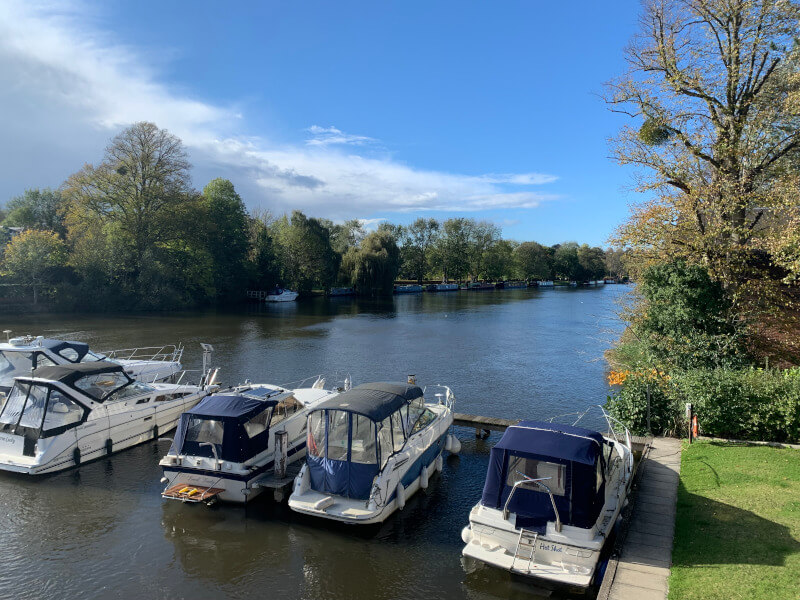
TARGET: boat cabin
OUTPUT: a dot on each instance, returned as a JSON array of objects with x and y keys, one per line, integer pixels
[
  {"x": 570, "y": 464},
  {"x": 21, "y": 355},
  {"x": 353, "y": 434},
  {"x": 42, "y": 405},
  {"x": 232, "y": 427}
]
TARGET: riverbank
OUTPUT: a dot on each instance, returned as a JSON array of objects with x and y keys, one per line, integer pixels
[{"x": 737, "y": 531}]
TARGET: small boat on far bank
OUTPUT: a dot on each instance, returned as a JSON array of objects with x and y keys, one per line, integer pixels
[
  {"x": 341, "y": 291},
  {"x": 513, "y": 285},
  {"x": 442, "y": 287},
  {"x": 478, "y": 286},
  {"x": 550, "y": 501},
  {"x": 281, "y": 295},
  {"x": 408, "y": 289}
]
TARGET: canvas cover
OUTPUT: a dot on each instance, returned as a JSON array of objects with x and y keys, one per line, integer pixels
[
  {"x": 578, "y": 449},
  {"x": 375, "y": 401},
  {"x": 233, "y": 411}
]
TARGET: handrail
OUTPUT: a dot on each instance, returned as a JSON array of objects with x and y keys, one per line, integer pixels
[
  {"x": 448, "y": 398},
  {"x": 166, "y": 353},
  {"x": 540, "y": 484}
]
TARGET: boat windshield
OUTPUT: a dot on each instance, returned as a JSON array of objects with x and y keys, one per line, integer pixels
[
  {"x": 93, "y": 357},
  {"x": 102, "y": 385},
  {"x": 38, "y": 410},
  {"x": 15, "y": 364}
]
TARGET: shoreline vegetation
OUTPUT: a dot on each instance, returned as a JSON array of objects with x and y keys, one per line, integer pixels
[{"x": 132, "y": 234}]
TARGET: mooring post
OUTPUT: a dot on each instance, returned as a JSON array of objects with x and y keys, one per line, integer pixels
[{"x": 281, "y": 449}]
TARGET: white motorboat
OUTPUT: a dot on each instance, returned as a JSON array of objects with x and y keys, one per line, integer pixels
[
  {"x": 63, "y": 415},
  {"x": 228, "y": 444},
  {"x": 281, "y": 295},
  {"x": 19, "y": 355},
  {"x": 551, "y": 498},
  {"x": 370, "y": 448}
]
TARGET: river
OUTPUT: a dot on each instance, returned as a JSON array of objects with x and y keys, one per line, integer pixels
[{"x": 103, "y": 531}]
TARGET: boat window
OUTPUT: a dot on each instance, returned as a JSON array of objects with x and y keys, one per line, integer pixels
[
  {"x": 415, "y": 410},
  {"x": 398, "y": 437},
  {"x": 385, "y": 440},
  {"x": 257, "y": 424},
  {"x": 61, "y": 412},
  {"x": 135, "y": 389},
  {"x": 285, "y": 409},
  {"x": 93, "y": 357},
  {"x": 70, "y": 354},
  {"x": 12, "y": 410},
  {"x": 599, "y": 482},
  {"x": 362, "y": 444},
  {"x": 316, "y": 433},
  {"x": 425, "y": 419},
  {"x": 204, "y": 430},
  {"x": 338, "y": 421},
  {"x": 537, "y": 469},
  {"x": 34, "y": 407},
  {"x": 102, "y": 385},
  {"x": 13, "y": 364},
  {"x": 42, "y": 360}
]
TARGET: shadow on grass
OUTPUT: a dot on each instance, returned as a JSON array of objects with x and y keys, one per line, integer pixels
[{"x": 708, "y": 532}]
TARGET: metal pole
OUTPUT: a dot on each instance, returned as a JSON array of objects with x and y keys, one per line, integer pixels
[{"x": 281, "y": 450}]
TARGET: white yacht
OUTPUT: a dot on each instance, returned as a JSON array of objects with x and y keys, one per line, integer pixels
[
  {"x": 19, "y": 355},
  {"x": 60, "y": 416},
  {"x": 370, "y": 448},
  {"x": 551, "y": 498},
  {"x": 281, "y": 295},
  {"x": 230, "y": 442}
]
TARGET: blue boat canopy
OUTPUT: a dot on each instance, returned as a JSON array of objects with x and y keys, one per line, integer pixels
[
  {"x": 570, "y": 458},
  {"x": 237, "y": 427},
  {"x": 376, "y": 401}
]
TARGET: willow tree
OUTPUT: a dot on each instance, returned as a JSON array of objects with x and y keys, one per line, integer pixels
[
  {"x": 712, "y": 89},
  {"x": 373, "y": 266}
]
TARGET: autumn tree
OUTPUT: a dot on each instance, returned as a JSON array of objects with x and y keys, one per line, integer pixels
[
  {"x": 31, "y": 258},
  {"x": 712, "y": 89}
]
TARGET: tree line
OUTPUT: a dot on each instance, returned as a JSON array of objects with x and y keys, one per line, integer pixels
[{"x": 132, "y": 232}]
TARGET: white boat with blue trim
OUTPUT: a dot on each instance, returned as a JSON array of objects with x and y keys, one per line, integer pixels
[
  {"x": 370, "y": 448},
  {"x": 550, "y": 501},
  {"x": 230, "y": 442}
]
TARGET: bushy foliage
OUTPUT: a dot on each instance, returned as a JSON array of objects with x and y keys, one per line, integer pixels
[
  {"x": 748, "y": 404},
  {"x": 374, "y": 265}
]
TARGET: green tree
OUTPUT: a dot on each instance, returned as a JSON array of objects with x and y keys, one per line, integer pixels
[
  {"x": 566, "y": 263},
  {"x": 592, "y": 261},
  {"x": 32, "y": 257},
  {"x": 304, "y": 252},
  {"x": 264, "y": 269},
  {"x": 374, "y": 265},
  {"x": 37, "y": 209},
  {"x": 420, "y": 237},
  {"x": 482, "y": 236},
  {"x": 452, "y": 249},
  {"x": 499, "y": 261},
  {"x": 133, "y": 223},
  {"x": 533, "y": 261},
  {"x": 226, "y": 237}
]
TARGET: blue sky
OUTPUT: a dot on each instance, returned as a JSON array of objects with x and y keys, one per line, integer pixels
[{"x": 371, "y": 110}]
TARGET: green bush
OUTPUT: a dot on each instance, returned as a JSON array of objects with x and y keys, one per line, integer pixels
[{"x": 748, "y": 404}]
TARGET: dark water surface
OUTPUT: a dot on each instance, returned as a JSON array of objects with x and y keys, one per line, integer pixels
[{"x": 103, "y": 531}]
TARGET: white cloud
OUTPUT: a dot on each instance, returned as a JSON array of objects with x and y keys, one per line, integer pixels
[
  {"x": 66, "y": 87},
  {"x": 326, "y": 136}
]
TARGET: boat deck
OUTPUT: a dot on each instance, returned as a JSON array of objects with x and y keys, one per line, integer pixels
[{"x": 188, "y": 493}]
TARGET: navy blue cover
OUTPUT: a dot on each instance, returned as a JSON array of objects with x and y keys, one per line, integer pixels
[
  {"x": 234, "y": 411},
  {"x": 375, "y": 401},
  {"x": 576, "y": 448}
]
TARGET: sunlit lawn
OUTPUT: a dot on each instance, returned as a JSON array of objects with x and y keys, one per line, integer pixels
[{"x": 737, "y": 531}]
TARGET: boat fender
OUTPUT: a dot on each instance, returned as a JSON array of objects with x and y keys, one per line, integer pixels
[
  {"x": 155, "y": 432},
  {"x": 423, "y": 478},
  {"x": 109, "y": 446},
  {"x": 452, "y": 444},
  {"x": 439, "y": 463},
  {"x": 401, "y": 496},
  {"x": 76, "y": 456},
  {"x": 466, "y": 534}
]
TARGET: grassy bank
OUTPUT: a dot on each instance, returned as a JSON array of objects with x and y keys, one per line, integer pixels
[{"x": 737, "y": 532}]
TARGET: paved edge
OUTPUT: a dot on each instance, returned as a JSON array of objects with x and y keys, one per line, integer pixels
[{"x": 640, "y": 563}]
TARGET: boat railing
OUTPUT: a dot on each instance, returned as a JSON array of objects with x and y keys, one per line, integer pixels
[
  {"x": 538, "y": 483},
  {"x": 614, "y": 427},
  {"x": 167, "y": 353},
  {"x": 443, "y": 394}
]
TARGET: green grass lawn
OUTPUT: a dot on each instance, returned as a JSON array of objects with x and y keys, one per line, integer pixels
[{"x": 737, "y": 530}]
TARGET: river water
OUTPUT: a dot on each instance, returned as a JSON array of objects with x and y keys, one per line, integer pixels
[{"x": 103, "y": 531}]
